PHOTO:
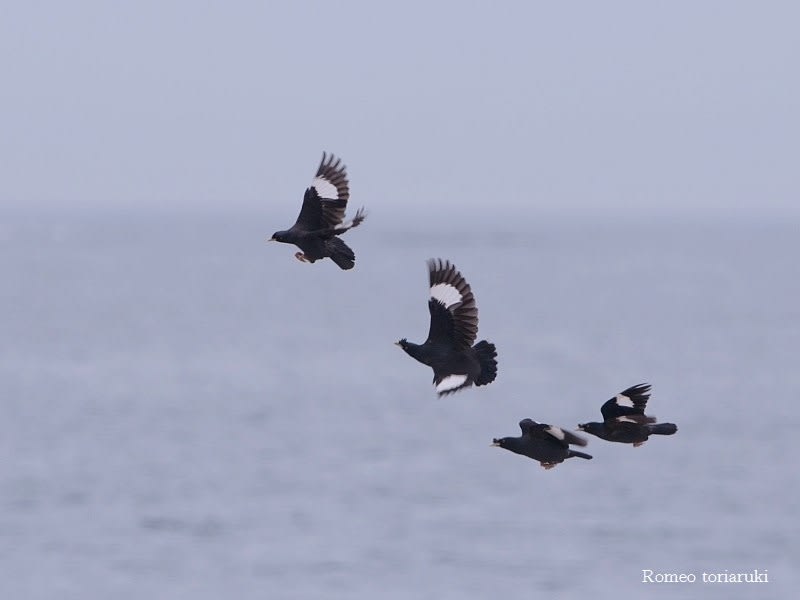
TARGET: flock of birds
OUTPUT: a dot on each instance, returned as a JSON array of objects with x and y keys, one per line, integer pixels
[{"x": 450, "y": 349}]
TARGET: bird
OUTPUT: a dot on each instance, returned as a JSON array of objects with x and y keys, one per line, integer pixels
[
  {"x": 321, "y": 218},
  {"x": 546, "y": 443},
  {"x": 456, "y": 363},
  {"x": 624, "y": 420}
]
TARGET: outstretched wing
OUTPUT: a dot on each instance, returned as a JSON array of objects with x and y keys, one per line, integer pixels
[
  {"x": 632, "y": 401},
  {"x": 454, "y": 315},
  {"x": 543, "y": 431},
  {"x": 324, "y": 203}
]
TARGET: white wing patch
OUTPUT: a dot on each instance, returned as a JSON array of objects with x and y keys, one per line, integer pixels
[
  {"x": 446, "y": 294},
  {"x": 556, "y": 432},
  {"x": 450, "y": 383},
  {"x": 626, "y": 420},
  {"x": 623, "y": 400},
  {"x": 325, "y": 189}
]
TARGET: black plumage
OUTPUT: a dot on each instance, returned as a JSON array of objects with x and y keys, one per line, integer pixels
[
  {"x": 546, "y": 443},
  {"x": 624, "y": 420},
  {"x": 456, "y": 363},
  {"x": 321, "y": 220}
]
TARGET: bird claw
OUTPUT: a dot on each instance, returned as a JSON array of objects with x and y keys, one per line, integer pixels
[
  {"x": 547, "y": 466},
  {"x": 637, "y": 444},
  {"x": 300, "y": 256}
]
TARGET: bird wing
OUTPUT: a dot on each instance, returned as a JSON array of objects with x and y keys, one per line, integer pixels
[
  {"x": 454, "y": 315},
  {"x": 449, "y": 383},
  {"x": 324, "y": 203},
  {"x": 635, "y": 419},
  {"x": 625, "y": 426},
  {"x": 631, "y": 401},
  {"x": 543, "y": 431},
  {"x": 442, "y": 324}
]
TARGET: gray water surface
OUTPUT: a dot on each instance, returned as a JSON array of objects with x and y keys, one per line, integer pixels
[{"x": 191, "y": 413}]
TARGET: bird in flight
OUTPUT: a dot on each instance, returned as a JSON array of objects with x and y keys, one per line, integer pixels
[
  {"x": 456, "y": 363},
  {"x": 624, "y": 420},
  {"x": 546, "y": 443},
  {"x": 321, "y": 220}
]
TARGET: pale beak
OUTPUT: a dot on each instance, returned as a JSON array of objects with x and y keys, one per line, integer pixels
[
  {"x": 272, "y": 239},
  {"x": 396, "y": 343},
  {"x": 495, "y": 444}
]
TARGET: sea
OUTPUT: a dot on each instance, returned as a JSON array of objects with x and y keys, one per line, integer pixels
[{"x": 190, "y": 412}]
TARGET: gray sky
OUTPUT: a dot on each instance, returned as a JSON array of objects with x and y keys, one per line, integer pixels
[{"x": 552, "y": 107}]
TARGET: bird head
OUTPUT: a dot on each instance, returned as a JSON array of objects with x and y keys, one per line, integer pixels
[
  {"x": 592, "y": 428},
  {"x": 278, "y": 236}
]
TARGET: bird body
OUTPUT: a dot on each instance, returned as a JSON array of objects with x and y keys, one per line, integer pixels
[
  {"x": 548, "y": 444},
  {"x": 624, "y": 420},
  {"x": 456, "y": 363},
  {"x": 321, "y": 218}
]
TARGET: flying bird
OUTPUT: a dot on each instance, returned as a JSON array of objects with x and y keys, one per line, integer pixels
[
  {"x": 624, "y": 419},
  {"x": 321, "y": 219},
  {"x": 546, "y": 443},
  {"x": 456, "y": 363}
]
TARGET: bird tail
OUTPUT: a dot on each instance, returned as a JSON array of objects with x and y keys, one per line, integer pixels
[
  {"x": 663, "y": 428},
  {"x": 340, "y": 253},
  {"x": 486, "y": 352},
  {"x": 579, "y": 454}
]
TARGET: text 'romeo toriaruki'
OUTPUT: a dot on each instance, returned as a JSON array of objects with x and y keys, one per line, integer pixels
[{"x": 754, "y": 576}]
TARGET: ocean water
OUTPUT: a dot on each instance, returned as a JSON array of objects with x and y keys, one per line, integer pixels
[{"x": 189, "y": 412}]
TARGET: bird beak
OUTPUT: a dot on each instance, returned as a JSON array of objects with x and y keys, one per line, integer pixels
[
  {"x": 396, "y": 343},
  {"x": 495, "y": 444},
  {"x": 272, "y": 239}
]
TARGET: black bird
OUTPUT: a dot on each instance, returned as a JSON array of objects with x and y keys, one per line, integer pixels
[
  {"x": 624, "y": 419},
  {"x": 546, "y": 443},
  {"x": 321, "y": 218},
  {"x": 456, "y": 363}
]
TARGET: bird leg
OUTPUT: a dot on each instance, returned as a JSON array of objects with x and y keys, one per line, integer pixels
[
  {"x": 637, "y": 444},
  {"x": 546, "y": 466},
  {"x": 301, "y": 257}
]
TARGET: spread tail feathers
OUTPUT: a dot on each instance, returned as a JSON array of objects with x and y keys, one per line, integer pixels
[
  {"x": 580, "y": 454},
  {"x": 663, "y": 428},
  {"x": 340, "y": 253},
  {"x": 486, "y": 353}
]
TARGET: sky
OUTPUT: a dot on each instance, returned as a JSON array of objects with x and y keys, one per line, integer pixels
[{"x": 517, "y": 108}]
